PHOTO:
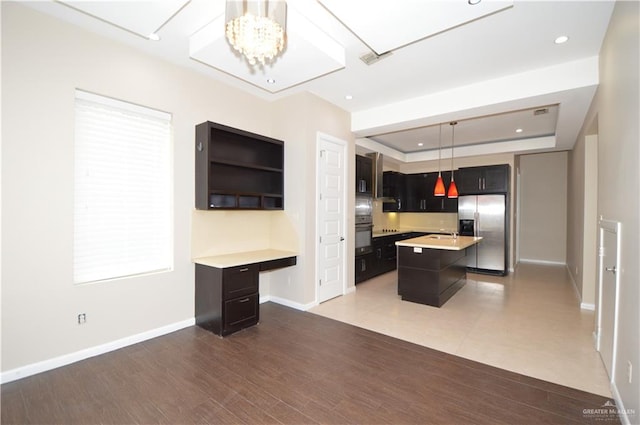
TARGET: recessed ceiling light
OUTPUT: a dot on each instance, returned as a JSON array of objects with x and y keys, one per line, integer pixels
[
  {"x": 561, "y": 39},
  {"x": 420, "y": 144},
  {"x": 518, "y": 130},
  {"x": 473, "y": 2},
  {"x": 154, "y": 36},
  {"x": 348, "y": 97},
  {"x": 271, "y": 81}
]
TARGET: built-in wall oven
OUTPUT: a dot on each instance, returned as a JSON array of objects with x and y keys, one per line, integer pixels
[{"x": 364, "y": 224}]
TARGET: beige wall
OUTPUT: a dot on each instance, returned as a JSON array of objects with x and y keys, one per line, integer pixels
[
  {"x": 617, "y": 108},
  {"x": 582, "y": 214},
  {"x": 298, "y": 120},
  {"x": 44, "y": 61},
  {"x": 605, "y": 161},
  {"x": 543, "y": 207}
]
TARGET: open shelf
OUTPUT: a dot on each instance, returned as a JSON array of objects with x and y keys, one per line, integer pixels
[{"x": 236, "y": 169}]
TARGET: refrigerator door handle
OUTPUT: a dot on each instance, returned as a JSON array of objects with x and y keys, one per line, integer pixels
[{"x": 476, "y": 223}]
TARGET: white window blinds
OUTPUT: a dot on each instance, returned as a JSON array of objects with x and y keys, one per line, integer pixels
[{"x": 123, "y": 202}]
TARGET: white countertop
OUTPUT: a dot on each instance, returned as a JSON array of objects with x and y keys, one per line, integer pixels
[
  {"x": 241, "y": 258},
  {"x": 446, "y": 242}
]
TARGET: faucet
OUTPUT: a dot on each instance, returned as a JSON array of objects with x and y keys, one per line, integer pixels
[{"x": 453, "y": 234}]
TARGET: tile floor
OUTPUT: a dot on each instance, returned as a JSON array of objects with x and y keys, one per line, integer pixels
[{"x": 528, "y": 322}]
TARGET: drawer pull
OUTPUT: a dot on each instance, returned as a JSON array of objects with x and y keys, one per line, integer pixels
[
  {"x": 244, "y": 300},
  {"x": 246, "y": 269}
]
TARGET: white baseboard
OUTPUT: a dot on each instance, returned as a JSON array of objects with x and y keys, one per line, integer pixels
[
  {"x": 623, "y": 414},
  {"x": 588, "y": 306},
  {"x": 264, "y": 299},
  {"x": 542, "y": 262},
  {"x": 287, "y": 303},
  {"x": 45, "y": 365},
  {"x": 583, "y": 305},
  {"x": 350, "y": 289}
]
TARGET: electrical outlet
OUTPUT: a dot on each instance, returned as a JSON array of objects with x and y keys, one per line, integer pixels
[
  {"x": 629, "y": 371},
  {"x": 82, "y": 318}
]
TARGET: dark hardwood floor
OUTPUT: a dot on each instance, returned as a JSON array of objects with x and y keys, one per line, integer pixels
[{"x": 293, "y": 368}]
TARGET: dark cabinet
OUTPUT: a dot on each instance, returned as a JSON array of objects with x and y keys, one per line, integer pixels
[
  {"x": 383, "y": 257},
  {"x": 364, "y": 175},
  {"x": 236, "y": 169},
  {"x": 430, "y": 276},
  {"x": 226, "y": 300},
  {"x": 440, "y": 203},
  {"x": 393, "y": 187},
  {"x": 384, "y": 252},
  {"x": 482, "y": 180},
  {"x": 365, "y": 267},
  {"x": 419, "y": 194}
]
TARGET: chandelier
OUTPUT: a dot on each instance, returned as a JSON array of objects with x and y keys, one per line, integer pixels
[{"x": 256, "y": 28}]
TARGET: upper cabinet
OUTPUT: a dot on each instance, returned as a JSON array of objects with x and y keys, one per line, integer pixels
[
  {"x": 236, "y": 169},
  {"x": 414, "y": 193},
  {"x": 393, "y": 187},
  {"x": 364, "y": 175},
  {"x": 418, "y": 192},
  {"x": 481, "y": 180},
  {"x": 441, "y": 203}
]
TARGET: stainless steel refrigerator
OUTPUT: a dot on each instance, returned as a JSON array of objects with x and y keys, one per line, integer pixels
[{"x": 486, "y": 216}]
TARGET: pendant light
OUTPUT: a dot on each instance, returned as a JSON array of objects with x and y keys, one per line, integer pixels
[
  {"x": 439, "y": 188},
  {"x": 453, "y": 189}
]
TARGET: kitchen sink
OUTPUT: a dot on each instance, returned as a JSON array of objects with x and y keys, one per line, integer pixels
[{"x": 439, "y": 236}]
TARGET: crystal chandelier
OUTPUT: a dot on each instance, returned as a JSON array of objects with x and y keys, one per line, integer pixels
[{"x": 256, "y": 28}]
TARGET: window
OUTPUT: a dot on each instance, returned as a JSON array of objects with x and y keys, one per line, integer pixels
[{"x": 123, "y": 205}]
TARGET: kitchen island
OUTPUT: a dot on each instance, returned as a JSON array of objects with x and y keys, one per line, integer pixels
[{"x": 432, "y": 268}]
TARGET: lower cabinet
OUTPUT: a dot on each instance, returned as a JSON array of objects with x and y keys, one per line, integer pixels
[
  {"x": 365, "y": 267},
  {"x": 382, "y": 259},
  {"x": 227, "y": 299}
]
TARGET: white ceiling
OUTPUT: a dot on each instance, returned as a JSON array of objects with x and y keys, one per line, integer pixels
[{"x": 486, "y": 66}]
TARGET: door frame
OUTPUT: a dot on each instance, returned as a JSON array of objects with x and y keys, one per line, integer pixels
[
  {"x": 616, "y": 228},
  {"x": 320, "y": 138}
]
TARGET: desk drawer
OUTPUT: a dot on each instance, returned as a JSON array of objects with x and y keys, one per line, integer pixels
[
  {"x": 240, "y": 313},
  {"x": 240, "y": 281}
]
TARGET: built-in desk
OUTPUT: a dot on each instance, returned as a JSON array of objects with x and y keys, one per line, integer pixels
[{"x": 226, "y": 296}]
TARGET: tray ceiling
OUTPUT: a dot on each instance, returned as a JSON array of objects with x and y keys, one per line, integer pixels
[{"x": 478, "y": 64}]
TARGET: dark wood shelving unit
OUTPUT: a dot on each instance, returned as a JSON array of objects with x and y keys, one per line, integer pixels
[{"x": 236, "y": 169}]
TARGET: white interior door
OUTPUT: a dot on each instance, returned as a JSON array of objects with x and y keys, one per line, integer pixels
[
  {"x": 331, "y": 217},
  {"x": 608, "y": 294}
]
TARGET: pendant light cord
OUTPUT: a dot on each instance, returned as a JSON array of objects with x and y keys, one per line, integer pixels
[
  {"x": 453, "y": 132},
  {"x": 439, "y": 150}
]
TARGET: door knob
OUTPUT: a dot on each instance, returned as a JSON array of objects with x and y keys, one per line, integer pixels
[
  {"x": 611, "y": 269},
  {"x": 341, "y": 238}
]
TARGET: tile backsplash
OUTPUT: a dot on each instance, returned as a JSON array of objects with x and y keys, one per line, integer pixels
[{"x": 413, "y": 221}]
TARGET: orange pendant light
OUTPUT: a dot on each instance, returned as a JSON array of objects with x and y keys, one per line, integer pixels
[
  {"x": 439, "y": 188},
  {"x": 453, "y": 189}
]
